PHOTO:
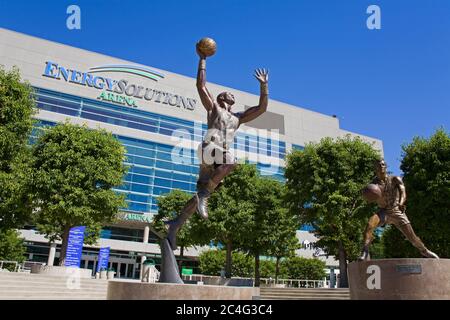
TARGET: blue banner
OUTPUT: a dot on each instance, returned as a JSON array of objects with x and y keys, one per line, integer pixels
[
  {"x": 75, "y": 247},
  {"x": 103, "y": 259}
]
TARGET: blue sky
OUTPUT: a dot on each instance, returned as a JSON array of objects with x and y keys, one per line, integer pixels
[{"x": 392, "y": 84}]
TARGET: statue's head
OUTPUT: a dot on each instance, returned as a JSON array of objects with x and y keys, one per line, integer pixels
[
  {"x": 225, "y": 97},
  {"x": 380, "y": 167}
]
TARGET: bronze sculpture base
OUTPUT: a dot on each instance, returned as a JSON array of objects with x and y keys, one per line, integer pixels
[
  {"x": 400, "y": 279},
  {"x": 125, "y": 290},
  {"x": 169, "y": 268}
]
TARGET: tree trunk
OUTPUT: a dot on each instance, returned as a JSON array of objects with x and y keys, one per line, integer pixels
[
  {"x": 228, "y": 261},
  {"x": 257, "y": 275},
  {"x": 181, "y": 257},
  {"x": 64, "y": 244},
  {"x": 277, "y": 269},
  {"x": 343, "y": 279}
]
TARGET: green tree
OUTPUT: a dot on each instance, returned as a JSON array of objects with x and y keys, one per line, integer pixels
[
  {"x": 377, "y": 248},
  {"x": 74, "y": 171},
  {"x": 231, "y": 209},
  {"x": 243, "y": 265},
  {"x": 12, "y": 247},
  {"x": 324, "y": 184},
  {"x": 304, "y": 269},
  {"x": 16, "y": 110},
  {"x": 169, "y": 207},
  {"x": 212, "y": 262},
  {"x": 426, "y": 167},
  {"x": 285, "y": 240},
  {"x": 269, "y": 269},
  {"x": 265, "y": 230}
]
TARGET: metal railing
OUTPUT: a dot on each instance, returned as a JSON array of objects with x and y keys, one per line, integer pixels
[
  {"x": 18, "y": 267},
  {"x": 264, "y": 282},
  {"x": 295, "y": 283},
  {"x": 15, "y": 265}
]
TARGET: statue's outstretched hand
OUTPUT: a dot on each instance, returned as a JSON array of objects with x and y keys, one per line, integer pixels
[{"x": 262, "y": 75}]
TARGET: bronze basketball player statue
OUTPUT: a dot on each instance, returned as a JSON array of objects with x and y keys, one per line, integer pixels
[
  {"x": 216, "y": 162},
  {"x": 390, "y": 194}
]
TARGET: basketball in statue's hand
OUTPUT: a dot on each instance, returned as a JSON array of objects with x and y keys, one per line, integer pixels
[
  {"x": 206, "y": 47},
  {"x": 371, "y": 193}
]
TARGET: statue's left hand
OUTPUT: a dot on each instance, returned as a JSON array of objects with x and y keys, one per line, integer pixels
[{"x": 262, "y": 75}]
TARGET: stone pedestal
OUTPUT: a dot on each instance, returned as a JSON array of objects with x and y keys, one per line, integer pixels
[
  {"x": 59, "y": 271},
  {"x": 400, "y": 279},
  {"x": 122, "y": 290}
]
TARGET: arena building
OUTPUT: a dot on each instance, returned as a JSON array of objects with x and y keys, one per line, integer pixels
[{"x": 157, "y": 115}]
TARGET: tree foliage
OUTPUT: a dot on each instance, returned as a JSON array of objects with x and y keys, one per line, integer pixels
[
  {"x": 324, "y": 184},
  {"x": 74, "y": 171},
  {"x": 271, "y": 229},
  {"x": 16, "y": 110},
  {"x": 304, "y": 269},
  {"x": 247, "y": 214},
  {"x": 212, "y": 262},
  {"x": 169, "y": 207},
  {"x": 426, "y": 167},
  {"x": 12, "y": 247},
  {"x": 231, "y": 209},
  {"x": 268, "y": 270}
]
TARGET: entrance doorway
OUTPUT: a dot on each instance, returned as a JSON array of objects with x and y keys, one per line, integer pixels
[{"x": 124, "y": 268}]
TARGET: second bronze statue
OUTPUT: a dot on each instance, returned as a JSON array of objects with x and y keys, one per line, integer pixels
[
  {"x": 216, "y": 161},
  {"x": 391, "y": 199}
]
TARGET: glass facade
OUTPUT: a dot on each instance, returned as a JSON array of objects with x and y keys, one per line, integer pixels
[
  {"x": 152, "y": 172},
  {"x": 297, "y": 147}
]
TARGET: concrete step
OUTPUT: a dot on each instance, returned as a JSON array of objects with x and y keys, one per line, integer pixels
[
  {"x": 25, "y": 286},
  {"x": 42, "y": 289},
  {"x": 304, "y": 294},
  {"x": 303, "y": 289},
  {"x": 32, "y": 282},
  {"x": 53, "y": 297},
  {"x": 302, "y": 298},
  {"x": 55, "y": 292}
]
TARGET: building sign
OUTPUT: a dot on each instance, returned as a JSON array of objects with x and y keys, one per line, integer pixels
[
  {"x": 75, "y": 247},
  {"x": 119, "y": 91},
  {"x": 103, "y": 259},
  {"x": 187, "y": 271},
  {"x": 137, "y": 217}
]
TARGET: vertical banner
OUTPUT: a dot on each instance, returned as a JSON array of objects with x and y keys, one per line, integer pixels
[
  {"x": 103, "y": 259},
  {"x": 75, "y": 246}
]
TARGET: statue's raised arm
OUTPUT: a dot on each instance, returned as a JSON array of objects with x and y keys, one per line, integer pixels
[
  {"x": 206, "y": 97},
  {"x": 252, "y": 113}
]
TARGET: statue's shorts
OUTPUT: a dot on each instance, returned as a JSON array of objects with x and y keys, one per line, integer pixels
[
  {"x": 393, "y": 216},
  {"x": 211, "y": 156}
]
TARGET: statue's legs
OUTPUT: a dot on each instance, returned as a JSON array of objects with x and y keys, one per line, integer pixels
[
  {"x": 373, "y": 223},
  {"x": 177, "y": 223},
  {"x": 205, "y": 191},
  {"x": 210, "y": 177},
  {"x": 408, "y": 232}
]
